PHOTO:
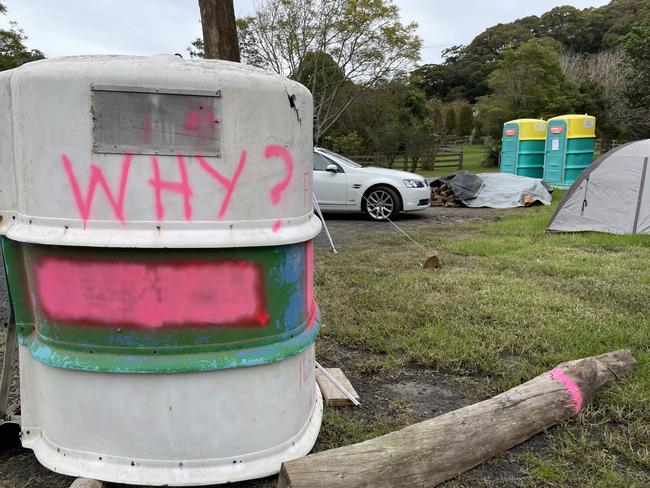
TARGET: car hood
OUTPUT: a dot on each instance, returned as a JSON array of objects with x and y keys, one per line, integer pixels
[{"x": 395, "y": 173}]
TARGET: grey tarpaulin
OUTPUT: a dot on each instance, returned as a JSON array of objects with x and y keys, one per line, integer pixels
[
  {"x": 504, "y": 190},
  {"x": 612, "y": 195},
  {"x": 462, "y": 184},
  {"x": 495, "y": 190}
]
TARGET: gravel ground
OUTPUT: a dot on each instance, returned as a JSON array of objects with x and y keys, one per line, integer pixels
[{"x": 345, "y": 227}]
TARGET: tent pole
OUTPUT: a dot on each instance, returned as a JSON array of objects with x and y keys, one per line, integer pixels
[{"x": 320, "y": 215}]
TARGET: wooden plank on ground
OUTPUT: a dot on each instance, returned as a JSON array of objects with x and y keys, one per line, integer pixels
[
  {"x": 88, "y": 483},
  {"x": 332, "y": 395}
]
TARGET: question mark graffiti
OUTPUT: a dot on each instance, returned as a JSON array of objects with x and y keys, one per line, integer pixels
[{"x": 277, "y": 151}]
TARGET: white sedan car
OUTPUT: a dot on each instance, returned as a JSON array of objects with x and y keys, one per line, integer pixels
[{"x": 341, "y": 185}]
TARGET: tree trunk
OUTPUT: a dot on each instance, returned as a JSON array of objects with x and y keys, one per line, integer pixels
[
  {"x": 432, "y": 165},
  {"x": 427, "y": 163},
  {"x": 219, "y": 30},
  {"x": 430, "y": 452},
  {"x": 414, "y": 163}
]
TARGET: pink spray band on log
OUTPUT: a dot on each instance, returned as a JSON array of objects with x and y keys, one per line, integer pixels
[{"x": 571, "y": 386}]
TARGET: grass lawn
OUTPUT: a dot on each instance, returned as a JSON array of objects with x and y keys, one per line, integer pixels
[{"x": 511, "y": 302}]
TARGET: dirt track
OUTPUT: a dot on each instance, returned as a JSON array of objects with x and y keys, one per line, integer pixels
[{"x": 346, "y": 227}]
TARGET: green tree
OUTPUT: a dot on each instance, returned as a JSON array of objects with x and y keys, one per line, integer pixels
[
  {"x": 465, "y": 123},
  {"x": 415, "y": 101},
  {"x": 617, "y": 18},
  {"x": 372, "y": 108},
  {"x": 432, "y": 79},
  {"x": 527, "y": 82},
  {"x": 601, "y": 79},
  {"x": 364, "y": 39},
  {"x": 196, "y": 49},
  {"x": 319, "y": 72},
  {"x": 571, "y": 27},
  {"x": 13, "y": 52},
  {"x": 450, "y": 120},
  {"x": 435, "y": 115},
  {"x": 388, "y": 138},
  {"x": 348, "y": 144},
  {"x": 465, "y": 69},
  {"x": 419, "y": 140},
  {"x": 636, "y": 47}
]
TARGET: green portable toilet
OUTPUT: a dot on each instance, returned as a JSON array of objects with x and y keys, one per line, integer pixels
[
  {"x": 569, "y": 148},
  {"x": 522, "y": 148}
]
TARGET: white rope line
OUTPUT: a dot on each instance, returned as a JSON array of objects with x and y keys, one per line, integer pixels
[
  {"x": 320, "y": 214},
  {"x": 396, "y": 226}
]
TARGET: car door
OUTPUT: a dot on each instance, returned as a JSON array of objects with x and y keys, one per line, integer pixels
[{"x": 330, "y": 187}]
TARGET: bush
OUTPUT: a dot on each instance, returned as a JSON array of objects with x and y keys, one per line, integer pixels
[
  {"x": 347, "y": 144},
  {"x": 492, "y": 158}
]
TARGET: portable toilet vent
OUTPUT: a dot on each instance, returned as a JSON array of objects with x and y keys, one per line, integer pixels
[
  {"x": 522, "y": 147},
  {"x": 157, "y": 236},
  {"x": 569, "y": 148}
]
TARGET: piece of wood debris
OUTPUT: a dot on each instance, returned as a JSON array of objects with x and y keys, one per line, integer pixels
[
  {"x": 442, "y": 197},
  {"x": 88, "y": 483},
  {"x": 432, "y": 260},
  {"x": 331, "y": 394},
  {"x": 430, "y": 452}
]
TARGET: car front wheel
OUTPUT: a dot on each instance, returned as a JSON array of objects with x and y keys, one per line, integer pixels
[{"x": 382, "y": 203}]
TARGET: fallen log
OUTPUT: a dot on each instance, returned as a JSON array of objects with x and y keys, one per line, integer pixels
[{"x": 430, "y": 452}]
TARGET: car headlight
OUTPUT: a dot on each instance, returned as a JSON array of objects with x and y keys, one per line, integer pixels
[{"x": 413, "y": 183}]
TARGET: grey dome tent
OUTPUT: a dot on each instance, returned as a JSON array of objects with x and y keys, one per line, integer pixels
[{"x": 612, "y": 195}]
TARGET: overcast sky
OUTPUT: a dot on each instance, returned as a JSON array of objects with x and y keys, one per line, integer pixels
[{"x": 68, "y": 27}]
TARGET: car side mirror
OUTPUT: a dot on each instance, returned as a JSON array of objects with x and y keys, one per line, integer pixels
[{"x": 332, "y": 168}]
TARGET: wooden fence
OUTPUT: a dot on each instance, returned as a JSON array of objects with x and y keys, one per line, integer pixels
[
  {"x": 604, "y": 145},
  {"x": 447, "y": 156}
]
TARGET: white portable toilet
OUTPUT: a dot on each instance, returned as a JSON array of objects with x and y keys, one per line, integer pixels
[{"x": 157, "y": 231}]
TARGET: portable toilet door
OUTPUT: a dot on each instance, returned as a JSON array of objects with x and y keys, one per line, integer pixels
[
  {"x": 509, "y": 143},
  {"x": 523, "y": 147},
  {"x": 569, "y": 148}
]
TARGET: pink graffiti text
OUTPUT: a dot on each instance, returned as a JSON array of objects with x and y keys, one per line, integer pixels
[
  {"x": 85, "y": 203},
  {"x": 182, "y": 186},
  {"x": 229, "y": 184},
  {"x": 277, "y": 151}
]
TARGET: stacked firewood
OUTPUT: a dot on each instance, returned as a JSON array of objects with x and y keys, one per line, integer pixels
[{"x": 441, "y": 196}]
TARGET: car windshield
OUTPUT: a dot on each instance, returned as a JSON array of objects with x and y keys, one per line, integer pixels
[{"x": 342, "y": 158}]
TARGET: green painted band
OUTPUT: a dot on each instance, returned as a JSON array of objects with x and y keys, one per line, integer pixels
[{"x": 102, "y": 362}]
